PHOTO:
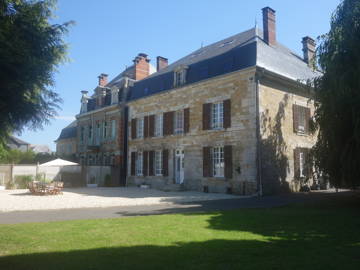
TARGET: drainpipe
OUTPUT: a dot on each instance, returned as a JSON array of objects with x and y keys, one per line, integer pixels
[{"x": 258, "y": 137}]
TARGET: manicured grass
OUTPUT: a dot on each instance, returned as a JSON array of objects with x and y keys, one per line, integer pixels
[{"x": 322, "y": 235}]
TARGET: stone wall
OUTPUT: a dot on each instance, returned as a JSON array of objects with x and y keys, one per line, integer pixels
[
  {"x": 278, "y": 139},
  {"x": 109, "y": 146},
  {"x": 239, "y": 88}
]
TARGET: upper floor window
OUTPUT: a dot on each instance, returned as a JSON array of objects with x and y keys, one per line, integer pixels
[
  {"x": 113, "y": 129},
  {"x": 98, "y": 133},
  {"x": 140, "y": 128},
  {"x": 90, "y": 131},
  {"x": 217, "y": 115},
  {"x": 114, "y": 96},
  {"x": 159, "y": 125},
  {"x": 105, "y": 129},
  {"x": 301, "y": 118},
  {"x": 180, "y": 75},
  {"x": 179, "y": 122}
]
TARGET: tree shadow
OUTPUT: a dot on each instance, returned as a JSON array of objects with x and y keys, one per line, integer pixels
[
  {"x": 294, "y": 237},
  {"x": 274, "y": 161}
]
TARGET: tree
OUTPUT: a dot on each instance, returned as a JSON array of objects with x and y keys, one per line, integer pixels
[
  {"x": 31, "y": 49},
  {"x": 337, "y": 98}
]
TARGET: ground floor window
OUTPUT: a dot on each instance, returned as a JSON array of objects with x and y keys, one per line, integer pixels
[
  {"x": 158, "y": 162},
  {"x": 218, "y": 161},
  {"x": 139, "y": 163}
]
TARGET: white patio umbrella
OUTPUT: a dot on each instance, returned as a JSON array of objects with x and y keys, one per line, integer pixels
[{"x": 58, "y": 162}]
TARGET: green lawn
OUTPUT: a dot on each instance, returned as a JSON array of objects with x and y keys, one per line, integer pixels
[{"x": 322, "y": 235}]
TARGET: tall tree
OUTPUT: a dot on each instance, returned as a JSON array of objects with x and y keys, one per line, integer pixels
[
  {"x": 31, "y": 49},
  {"x": 337, "y": 98}
]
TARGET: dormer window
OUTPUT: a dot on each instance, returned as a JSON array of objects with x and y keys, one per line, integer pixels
[
  {"x": 114, "y": 96},
  {"x": 180, "y": 75}
]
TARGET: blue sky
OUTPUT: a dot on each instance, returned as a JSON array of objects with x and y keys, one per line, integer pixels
[{"x": 108, "y": 35}]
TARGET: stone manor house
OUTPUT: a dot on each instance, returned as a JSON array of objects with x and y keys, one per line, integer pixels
[{"x": 231, "y": 117}]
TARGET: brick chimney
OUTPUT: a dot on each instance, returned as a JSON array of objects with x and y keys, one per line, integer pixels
[
  {"x": 103, "y": 79},
  {"x": 142, "y": 66},
  {"x": 269, "y": 25},
  {"x": 161, "y": 62},
  {"x": 308, "y": 49}
]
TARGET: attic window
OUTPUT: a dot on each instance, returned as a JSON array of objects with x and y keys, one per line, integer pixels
[
  {"x": 180, "y": 75},
  {"x": 226, "y": 43}
]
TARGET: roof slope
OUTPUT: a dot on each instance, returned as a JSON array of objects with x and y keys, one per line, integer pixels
[
  {"x": 68, "y": 132},
  {"x": 233, "y": 53},
  {"x": 17, "y": 141}
]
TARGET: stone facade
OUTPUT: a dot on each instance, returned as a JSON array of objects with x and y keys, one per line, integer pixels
[
  {"x": 66, "y": 147},
  {"x": 100, "y": 136},
  {"x": 278, "y": 137},
  {"x": 238, "y": 87},
  {"x": 276, "y": 147}
]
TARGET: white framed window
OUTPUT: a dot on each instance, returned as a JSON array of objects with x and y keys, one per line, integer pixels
[
  {"x": 90, "y": 132},
  {"x": 302, "y": 116},
  {"x": 98, "y": 134},
  {"x": 301, "y": 164},
  {"x": 218, "y": 161},
  {"x": 158, "y": 162},
  {"x": 114, "y": 96},
  {"x": 178, "y": 78},
  {"x": 105, "y": 129},
  {"x": 140, "y": 128},
  {"x": 179, "y": 122},
  {"x": 159, "y": 125},
  {"x": 139, "y": 164},
  {"x": 113, "y": 129},
  {"x": 180, "y": 75},
  {"x": 217, "y": 115}
]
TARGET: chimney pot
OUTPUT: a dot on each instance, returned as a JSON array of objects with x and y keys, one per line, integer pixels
[
  {"x": 141, "y": 66},
  {"x": 308, "y": 49},
  {"x": 269, "y": 25},
  {"x": 103, "y": 79},
  {"x": 161, "y": 62}
]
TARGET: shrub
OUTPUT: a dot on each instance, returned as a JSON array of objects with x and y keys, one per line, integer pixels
[
  {"x": 22, "y": 181},
  {"x": 107, "y": 180}
]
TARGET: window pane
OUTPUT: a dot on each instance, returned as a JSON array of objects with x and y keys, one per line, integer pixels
[
  {"x": 179, "y": 122},
  {"x": 158, "y": 162},
  {"x": 218, "y": 161},
  {"x": 139, "y": 163},
  {"x": 158, "y": 125},
  {"x": 140, "y": 128}
]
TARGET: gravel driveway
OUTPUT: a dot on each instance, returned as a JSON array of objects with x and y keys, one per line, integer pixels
[{"x": 20, "y": 200}]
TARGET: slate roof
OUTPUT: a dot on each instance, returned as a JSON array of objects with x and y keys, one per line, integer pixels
[
  {"x": 17, "y": 141},
  {"x": 237, "y": 52},
  {"x": 68, "y": 132}
]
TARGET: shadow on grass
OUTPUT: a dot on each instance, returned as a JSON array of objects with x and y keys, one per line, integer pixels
[
  {"x": 319, "y": 236},
  {"x": 213, "y": 254}
]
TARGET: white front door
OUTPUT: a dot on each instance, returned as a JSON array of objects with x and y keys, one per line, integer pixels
[{"x": 179, "y": 166}]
